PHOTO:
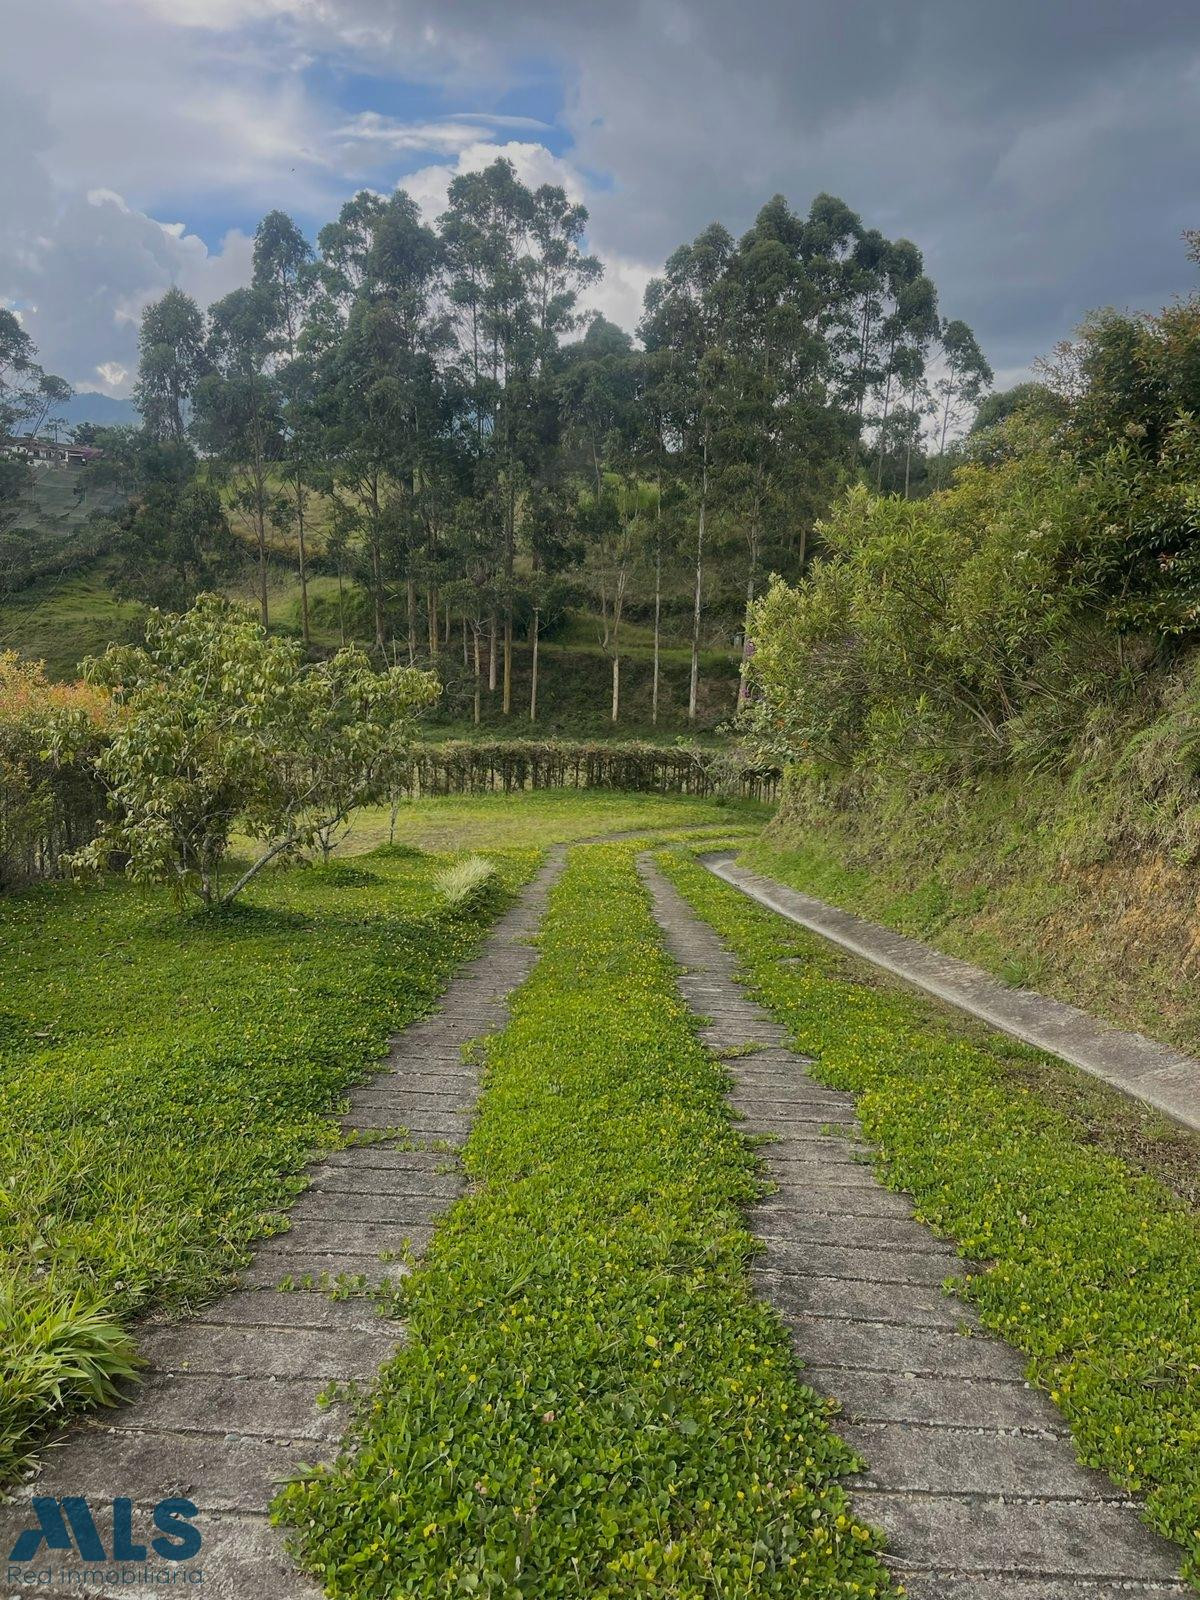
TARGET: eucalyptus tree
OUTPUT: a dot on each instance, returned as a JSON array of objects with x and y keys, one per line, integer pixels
[
  {"x": 963, "y": 380},
  {"x": 684, "y": 332},
  {"x": 909, "y": 325},
  {"x": 516, "y": 268},
  {"x": 383, "y": 404},
  {"x": 172, "y": 359},
  {"x": 285, "y": 273},
  {"x": 238, "y": 416}
]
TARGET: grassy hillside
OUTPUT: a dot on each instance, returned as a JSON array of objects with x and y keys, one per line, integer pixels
[
  {"x": 59, "y": 620},
  {"x": 1080, "y": 889}
]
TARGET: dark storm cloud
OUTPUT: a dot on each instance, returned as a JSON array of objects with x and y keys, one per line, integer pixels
[{"x": 1044, "y": 155}]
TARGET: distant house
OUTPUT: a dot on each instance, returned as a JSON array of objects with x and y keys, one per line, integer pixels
[{"x": 35, "y": 449}]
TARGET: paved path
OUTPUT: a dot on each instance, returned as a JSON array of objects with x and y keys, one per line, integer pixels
[
  {"x": 972, "y": 1472},
  {"x": 228, "y": 1409},
  {"x": 1164, "y": 1078}
]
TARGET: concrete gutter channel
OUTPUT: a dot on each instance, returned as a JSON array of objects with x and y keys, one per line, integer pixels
[{"x": 1142, "y": 1068}]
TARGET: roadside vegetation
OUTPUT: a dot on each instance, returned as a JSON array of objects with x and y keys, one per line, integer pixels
[
  {"x": 1087, "y": 1263},
  {"x": 591, "y": 1401},
  {"x": 988, "y": 699}
]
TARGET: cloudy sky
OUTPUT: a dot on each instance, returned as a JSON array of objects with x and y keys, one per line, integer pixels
[{"x": 1042, "y": 153}]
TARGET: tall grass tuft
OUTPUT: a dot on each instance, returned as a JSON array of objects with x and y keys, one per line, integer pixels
[
  {"x": 466, "y": 883},
  {"x": 57, "y": 1355}
]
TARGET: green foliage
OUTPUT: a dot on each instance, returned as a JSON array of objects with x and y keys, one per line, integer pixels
[
  {"x": 1094, "y": 1272},
  {"x": 591, "y": 1400},
  {"x": 987, "y": 625},
  {"x": 49, "y": 800},
  {"x": 219, "y": 724},
  {"x": 139, "y": 1163}
]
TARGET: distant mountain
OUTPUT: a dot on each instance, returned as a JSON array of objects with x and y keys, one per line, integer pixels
[{"x": 101, "y": 408}]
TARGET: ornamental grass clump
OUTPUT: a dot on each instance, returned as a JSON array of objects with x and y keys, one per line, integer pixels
[{"x": 466, "y": 883}]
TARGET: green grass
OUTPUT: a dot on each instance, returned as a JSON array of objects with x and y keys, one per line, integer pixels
[
  {"x": 61, "y": 620},
  {"x": 163, "y": 1078},
  {"x": 1051, "y": 882},
  {"x": 1094, "y": 1268},
  {"x": 590, "y": 1400},
  {"x": 540, "y": 817}
]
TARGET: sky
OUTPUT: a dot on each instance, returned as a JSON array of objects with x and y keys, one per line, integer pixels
[{"x": 1043, "y": 154}]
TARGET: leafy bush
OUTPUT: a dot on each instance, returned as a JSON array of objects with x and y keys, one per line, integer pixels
[
  {"x": 220, "y": 725},
  {"x": 591, "y": 1400},
  {"x": 49, "y": 802},
  {"x": 986, "y": 625}
]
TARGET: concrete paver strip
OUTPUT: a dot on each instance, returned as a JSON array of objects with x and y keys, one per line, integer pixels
[
  {"x": 1149, "y": 1071},
  {"x": 971, "y": 1470},
  {"x": 228, "y": 1409}
]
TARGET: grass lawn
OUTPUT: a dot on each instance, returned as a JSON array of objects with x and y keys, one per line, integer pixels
[
  {"x": 541, "y": 817},
  {"x": 163, "y": 1078},
  {"x": 591, "y": 1400},
  {"x": 1077, "y": 1201}
]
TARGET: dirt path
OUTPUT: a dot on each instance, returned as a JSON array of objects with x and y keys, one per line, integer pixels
[{"x": 972, "y": 1471}]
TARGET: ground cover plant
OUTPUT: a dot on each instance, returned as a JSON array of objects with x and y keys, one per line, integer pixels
[
  {"x": 163, "y": 1078},
  {"x": 539, "y": 818},
  {"x": 591, "y": 1401},
  {"x": 1092, "y": 1269}
]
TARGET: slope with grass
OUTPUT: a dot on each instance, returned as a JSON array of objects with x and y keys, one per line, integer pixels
[
  {"x": 591, "y": 1401},
  {"x": 1081, "y": 889},
  {"x": 1093, "y": 1252}
]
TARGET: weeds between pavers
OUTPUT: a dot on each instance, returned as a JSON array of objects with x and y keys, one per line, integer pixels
[
  {"x": 163, "y": 1079},
  {"x": 1094, "y": 1271},
  {"x": 590, "y": 1400}
]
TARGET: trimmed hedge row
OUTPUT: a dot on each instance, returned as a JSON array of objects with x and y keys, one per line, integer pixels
[{"x": 478, "y": 767}]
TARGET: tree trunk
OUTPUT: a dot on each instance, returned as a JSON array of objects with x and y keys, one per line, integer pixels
[
  {"x": 743, "y": 690},
  {"x": 694, "y": 682},
  {"x": 506, "y": 698},
  {"x": 478, "y": 670},
  {"x": 657, "y": 617},
  {"x": 431, "y": 605},
  {"x": 262, "y": 565},
  {"x": 510, "y": 537},
  {"x": 304, "y": 625},
  {"x": 412, "y": 619},
  {"x": 533, "y": 681},
  {"x": 887, "y": 397},
  {"x": 616, "y": 687},
  {"x": 492, "y": 653},
  {"x": 377, "y": 587}
]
